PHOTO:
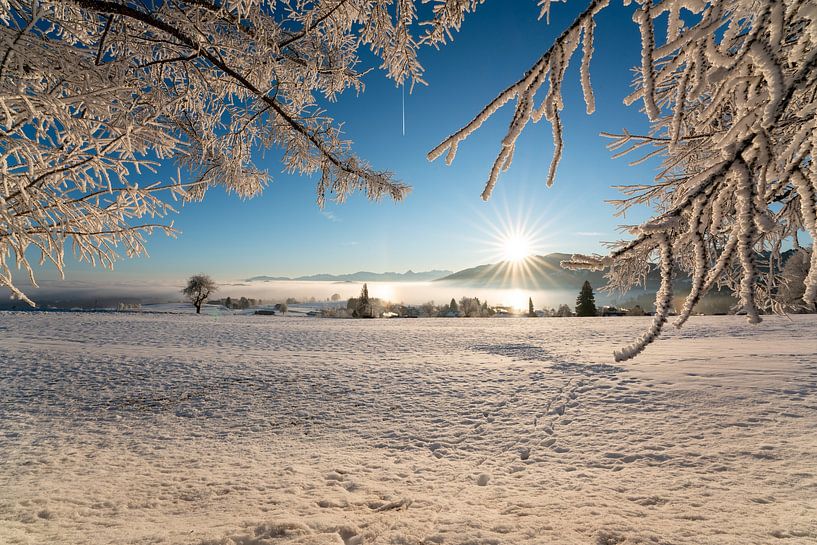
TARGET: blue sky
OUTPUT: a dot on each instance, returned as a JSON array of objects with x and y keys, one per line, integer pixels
[{"x": 443, "y": 223}]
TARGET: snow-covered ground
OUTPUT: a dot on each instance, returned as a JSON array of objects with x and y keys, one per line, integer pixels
[{"x": 252, "y": 430}]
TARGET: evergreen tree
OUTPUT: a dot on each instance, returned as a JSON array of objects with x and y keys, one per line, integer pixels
[
  {"x": 586, "y": 301},
  {"x": 531, "y": 312},
  {"x": 364, "y": 306},
  {"x": 453, "y": 305}
]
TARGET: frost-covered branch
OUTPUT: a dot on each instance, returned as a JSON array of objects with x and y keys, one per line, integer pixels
[
  {"x": 663, "y": 303},
  {"x": 97, "y": 95},
  {"x": 550, "y": 67},
  {"x": 729, "y": 89},
  {"x": 736, "y": 131}
]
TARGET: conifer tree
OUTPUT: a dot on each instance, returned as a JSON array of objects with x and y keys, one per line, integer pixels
[
  {"x": 364, "y": 307},
  {"x": 531, "y": 312},
  {"x": 586, "y": 301},
  {"x": 453, "y": 305}
]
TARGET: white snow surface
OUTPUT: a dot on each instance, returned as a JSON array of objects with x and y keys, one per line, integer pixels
[{"x": 129, "y": 428}]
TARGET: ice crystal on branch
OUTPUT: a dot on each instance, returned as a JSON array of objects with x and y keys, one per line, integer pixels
[{"x": 729, "y": 88}]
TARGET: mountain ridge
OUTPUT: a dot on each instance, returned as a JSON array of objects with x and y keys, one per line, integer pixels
[
  {"x": 534, "y": 272},
  {"x": 360, "y": 276}
]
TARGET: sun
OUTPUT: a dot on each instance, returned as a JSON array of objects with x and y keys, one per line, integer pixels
[
  {"x": 513, "y": 236},
  {"x": 516, "y": 248}
]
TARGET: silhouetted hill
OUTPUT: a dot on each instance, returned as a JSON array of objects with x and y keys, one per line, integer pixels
[
  {"x": 542, "y": 272},
  {"x": 546, "y": 272}
]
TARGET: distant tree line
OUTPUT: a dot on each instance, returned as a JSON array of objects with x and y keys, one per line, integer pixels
[
  {"x": 241, "y": 303},
  {"x": 791, "y": 285},
  {"x": 365, "y": 306}
]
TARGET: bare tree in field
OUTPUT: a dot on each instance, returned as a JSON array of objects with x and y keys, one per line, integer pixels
[{"x": 198, "y": 289}]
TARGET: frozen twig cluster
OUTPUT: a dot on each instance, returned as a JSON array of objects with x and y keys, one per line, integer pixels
[
  {"x": 550, "y": 70},
  {"x": 729, "y": 87},
  {"x": 95, "y": 94}
]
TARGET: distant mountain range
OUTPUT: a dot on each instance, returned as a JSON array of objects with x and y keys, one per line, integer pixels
[
  {"x": 541, "y": 272},
  {"x": 361, "y": 276}
]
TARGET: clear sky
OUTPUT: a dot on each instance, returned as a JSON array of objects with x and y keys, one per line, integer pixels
[{"x": 443, "y": 224}]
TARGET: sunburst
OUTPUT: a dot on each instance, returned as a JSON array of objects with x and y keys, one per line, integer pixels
[
  {"x": 514, "y": 236},
  {"x": 516, "y": 247}
]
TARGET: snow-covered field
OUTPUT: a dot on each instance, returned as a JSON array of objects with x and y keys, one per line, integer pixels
[{"x": 254, "y": 430}]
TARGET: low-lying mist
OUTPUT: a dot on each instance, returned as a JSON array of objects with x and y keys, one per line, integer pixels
[{"x": 68, "y": 295}]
